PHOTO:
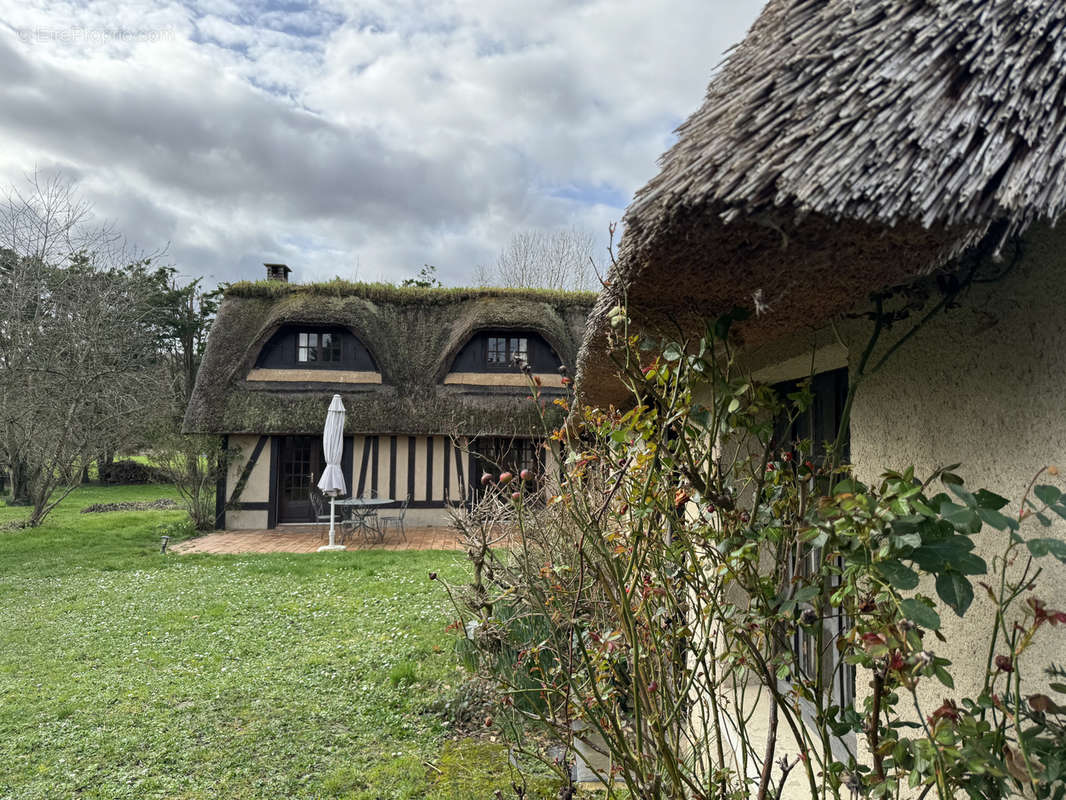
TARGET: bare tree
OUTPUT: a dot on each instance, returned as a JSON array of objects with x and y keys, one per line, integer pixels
[
  {"x": 78, "y": 366},
  {"x": 561, "y": 259}
]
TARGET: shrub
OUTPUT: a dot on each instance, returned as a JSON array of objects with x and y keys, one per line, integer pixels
[
  {"x": 656, "y": 604},
  {"x": 128, "y": 471}
]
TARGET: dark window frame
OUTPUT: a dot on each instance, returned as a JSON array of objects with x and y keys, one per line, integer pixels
[
  {"x": 511, "y": 347},
  {"x": 334, "y": 350},
  {"x": 819, "y": 424}
]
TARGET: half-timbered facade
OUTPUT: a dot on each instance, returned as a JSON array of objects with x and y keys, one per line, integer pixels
[{"x": 432, "y": 380}]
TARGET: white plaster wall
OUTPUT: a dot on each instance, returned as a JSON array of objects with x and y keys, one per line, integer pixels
[
  {"x": 984, "y": 385},
  {"x": 429, "y": 517},
  {"x": 257, "y": 489},
  {"x": 246, "y": 520}
]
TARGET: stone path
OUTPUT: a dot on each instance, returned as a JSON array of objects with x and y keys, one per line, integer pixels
[{"x": 308, "y": 538}]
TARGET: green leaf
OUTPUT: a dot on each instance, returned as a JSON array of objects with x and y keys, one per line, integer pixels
[
  {"x": 962, "y": 518},
  {"x": 898, "y": 575},
  {"x": 806, "y": 594},
  {"x": 672, "y": 352},
  {"x": 996, "y": 520},
  {"x": 941, "y": 555},
  {"x": 815, "y": 537},
  {"x": 989, "y": 500},
  {"x": 1042, "y": 547},
  {"x": 957, "y": 490},
  {"x": 955, "y": 590},
  {"x": 1048, "y": 495},
  {"x": 920, "y": 614},
  {"x": 907, "y": 540},
  {"x": 944, "y": 677},
  {"x": 848, "y": 485}
]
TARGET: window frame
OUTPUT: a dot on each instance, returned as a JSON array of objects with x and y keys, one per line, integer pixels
[
  {"x": 829, "y": 391},
  {"x": 335, "y": 348},
  {"x": 509, "y": 339}
]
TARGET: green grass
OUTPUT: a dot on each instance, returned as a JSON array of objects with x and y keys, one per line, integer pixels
[{"x": 128, "y": 674}]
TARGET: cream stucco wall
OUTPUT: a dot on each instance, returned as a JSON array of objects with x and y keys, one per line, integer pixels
[
  {"x": 245, "y": 520},
  {"x": 984, "y": 385},
  {"x": 257, "y": 488}
]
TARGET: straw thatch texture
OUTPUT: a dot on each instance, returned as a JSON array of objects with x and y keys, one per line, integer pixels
[
  {"x": 413, "y": 336},
  {"x": 847, "y": 146}
]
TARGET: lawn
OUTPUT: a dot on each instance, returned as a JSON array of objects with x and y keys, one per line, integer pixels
[{"x": 125, "y": 673}]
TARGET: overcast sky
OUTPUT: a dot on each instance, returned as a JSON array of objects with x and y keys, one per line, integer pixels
[{"x": 361, "y": 139}]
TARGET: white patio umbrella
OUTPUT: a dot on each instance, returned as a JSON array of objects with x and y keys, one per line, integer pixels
[{"x": 332, "y": 481}]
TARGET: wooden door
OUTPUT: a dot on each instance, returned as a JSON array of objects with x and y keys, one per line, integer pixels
[{"x": 299, "y": 468}]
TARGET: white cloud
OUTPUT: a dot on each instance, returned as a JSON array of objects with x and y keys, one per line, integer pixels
[{"x": 384, "y": 135}]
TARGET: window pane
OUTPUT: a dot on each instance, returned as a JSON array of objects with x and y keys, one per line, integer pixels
[
  {"x": 497, "y": 350},
  {"x": 519, "y": 348},
  {"x": 303, "y": 340},
  {"x": 331, "y": 347}
]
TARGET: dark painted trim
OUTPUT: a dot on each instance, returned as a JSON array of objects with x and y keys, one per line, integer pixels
[
  {"x": 275, "y": 458},
  {"x": 374, "y": 468},
  {"x": 411, "y": 467},
  {"x": 473, "y": 479},
  {"x": 346, "y": 461},
  {"x": 460, "y": 484},
  {"x": 220, "y": 486},
  {"x": 429, "y": 469},
  {"x": 427, "y": 504},
  {"x": 392, "y": 466},
  {"x": 362, "y": 467},
  {"x": 447, "y": 468}
]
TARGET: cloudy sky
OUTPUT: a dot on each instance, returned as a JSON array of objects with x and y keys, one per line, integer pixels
[{"x": 358, "y": 139}]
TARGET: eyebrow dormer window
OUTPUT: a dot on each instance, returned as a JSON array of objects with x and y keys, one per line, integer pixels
[
  {"x": 501, "y": 351},
  {"x": 313, "y": 347}
]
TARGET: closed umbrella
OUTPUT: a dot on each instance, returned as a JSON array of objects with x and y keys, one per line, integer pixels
[{"x": 332, "y": 481}]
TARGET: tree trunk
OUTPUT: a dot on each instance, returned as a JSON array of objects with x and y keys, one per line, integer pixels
[{"x": 20, "y": 483}]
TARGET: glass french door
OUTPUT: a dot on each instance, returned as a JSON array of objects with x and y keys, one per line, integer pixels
[{"x": 299, "y": 468}]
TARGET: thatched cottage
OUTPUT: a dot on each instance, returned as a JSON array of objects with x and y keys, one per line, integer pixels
[
  {"x": 429, "y": 378},
  {"x": 851, "y": 147}
]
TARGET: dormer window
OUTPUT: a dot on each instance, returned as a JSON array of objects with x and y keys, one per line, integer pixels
[
  {"x": 314, "y": 347},
  {"x": 502, "y": 351},
  {"x": 321, "y": 348}
]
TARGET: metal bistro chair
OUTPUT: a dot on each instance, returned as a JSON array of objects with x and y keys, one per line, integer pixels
[
  {"x": 397, "y": 518},
  {"x": 319, "y": 504},
  {"x": 364, "y": 520}
]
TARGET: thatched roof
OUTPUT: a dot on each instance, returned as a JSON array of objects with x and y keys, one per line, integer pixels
[
  {"x": 413, "y": 335},
  {"x": 846, "y": 146}
]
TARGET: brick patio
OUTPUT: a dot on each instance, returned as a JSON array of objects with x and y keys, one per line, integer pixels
[{"x": 308, "y": 538}]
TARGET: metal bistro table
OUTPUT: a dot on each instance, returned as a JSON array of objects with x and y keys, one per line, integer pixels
[{"x": 360, "y": 514}]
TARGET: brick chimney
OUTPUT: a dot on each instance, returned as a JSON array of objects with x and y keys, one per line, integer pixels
[{"x": 277, "y": 272}]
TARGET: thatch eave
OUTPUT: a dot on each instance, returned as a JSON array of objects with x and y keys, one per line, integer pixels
[
  {"x": 846, "y": 146},
  {"x": 412, "y": 344}
]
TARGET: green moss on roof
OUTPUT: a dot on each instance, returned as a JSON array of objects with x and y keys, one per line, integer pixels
[
  {"x": 403, "y": 295},
  {"x": 413, "y": 335}
]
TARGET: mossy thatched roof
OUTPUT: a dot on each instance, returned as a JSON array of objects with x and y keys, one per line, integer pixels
[
  {"x": 413, "y": 336},
  {"x": 845, "y": 146}
]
